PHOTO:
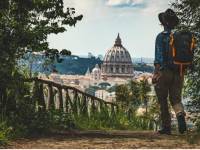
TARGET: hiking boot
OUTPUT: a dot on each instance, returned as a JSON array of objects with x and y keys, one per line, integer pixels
[
  {"x": 181, "y": 123},
  {"x": 165, "y": 131}
]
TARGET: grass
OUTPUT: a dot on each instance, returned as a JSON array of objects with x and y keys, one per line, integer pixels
[{"x": 106, "y": 121}]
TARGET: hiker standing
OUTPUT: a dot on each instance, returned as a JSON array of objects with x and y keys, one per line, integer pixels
[{"x": 173, "y": 54}]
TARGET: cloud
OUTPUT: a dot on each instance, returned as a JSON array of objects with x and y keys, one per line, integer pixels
[
  {"x": 125, "y": 3},
  {"x": 81, "y": 6},
  {"x": 144, "y": 7},
  {"x": 104, "y": 9},
  {"x": 152, "y": 9}
]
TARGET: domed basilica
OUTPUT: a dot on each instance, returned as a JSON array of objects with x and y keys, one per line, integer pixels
[{"x": 117, "y": 62}]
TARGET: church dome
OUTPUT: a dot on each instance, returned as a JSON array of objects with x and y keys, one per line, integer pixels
[
  {"x": 96, "y": 72},
  {"x": 96, "y": 69},
  {"x": 118, "y": 53},
  {"x": 117, "y": 61}
]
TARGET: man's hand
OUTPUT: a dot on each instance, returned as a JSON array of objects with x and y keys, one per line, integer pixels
[
  {"x": 157, "y": 74},
  {"x": 156, "y": 77}
]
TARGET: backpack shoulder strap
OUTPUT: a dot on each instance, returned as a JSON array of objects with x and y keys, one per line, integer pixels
[
  {"x": 193, "y": 43},
  {"x": 165, "y": 46},
  {"x": 171, "y": 43}
]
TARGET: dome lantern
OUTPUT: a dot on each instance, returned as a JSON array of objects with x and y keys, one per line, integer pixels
[{"x": 118, "y": 41}]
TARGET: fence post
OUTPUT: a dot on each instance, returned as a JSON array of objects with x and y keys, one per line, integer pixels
[
  {"x": 78, "y": 104},
  {"x": 51, "y": 103},
  {"x": 101, "y": 107},
  {"x": 93, "y": 106},
  {"x": 75, "y": 103},
  {"x": 67, "y": 101},
  {"x": 41, "y": 101},
  {"x": 84, "y": 108},
  {"x": 112, "y": 110},
  {"x": 60, "y": 98},
  {"x": 35, "y": 94}
]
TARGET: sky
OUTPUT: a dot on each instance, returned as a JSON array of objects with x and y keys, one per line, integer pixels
[{"x": 135, "y": 20}]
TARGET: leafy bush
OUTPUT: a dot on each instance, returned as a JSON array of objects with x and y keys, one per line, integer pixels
[
  {"x": 4, "y": 133},
  {"x": 60, "y": 120},
  {"x": 198, "y": 125}
]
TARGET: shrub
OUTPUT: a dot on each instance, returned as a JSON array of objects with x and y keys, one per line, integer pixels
[{"x": 4, "y": 133}]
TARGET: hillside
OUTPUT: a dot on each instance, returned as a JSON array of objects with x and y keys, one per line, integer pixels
[{"x": 78, "y": 65}]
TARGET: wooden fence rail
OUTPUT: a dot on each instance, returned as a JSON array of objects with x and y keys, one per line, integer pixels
[{"x": 50, "y": 95}]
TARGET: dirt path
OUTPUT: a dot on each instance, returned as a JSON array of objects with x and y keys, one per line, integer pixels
[{"x": 101, "y": 139}]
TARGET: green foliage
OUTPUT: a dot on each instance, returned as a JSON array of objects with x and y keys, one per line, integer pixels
[
  {"x": 4, "y": 133},
  {"x": 119, "y": 121},
  {"x": 31, "y": 122},
  {"x": 60, "y": 120},
  {"x": 26, "y": 64},
  {"x": 133, "y": 94},
  {"x": 24, "y": 26},
  {"x": 123, "y": 95},
  {"x": 135, "y": 91},
  {"x": 144, "y": 89},
  {"x": 65, "y": 52},
  {"x": 189, "y": 14},
  {"x": 198, "y": 125}
]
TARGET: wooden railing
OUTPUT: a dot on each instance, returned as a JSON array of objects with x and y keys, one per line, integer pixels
[{"x": 50, "y": 95}]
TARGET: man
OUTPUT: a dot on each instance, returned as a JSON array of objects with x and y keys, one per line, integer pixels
[{"x": 167, "y": 78}]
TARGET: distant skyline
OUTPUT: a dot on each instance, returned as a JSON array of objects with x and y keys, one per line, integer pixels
[{"x": 135, "y": 20}]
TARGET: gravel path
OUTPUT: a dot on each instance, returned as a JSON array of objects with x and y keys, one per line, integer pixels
[{"x": 108, "y": 140}]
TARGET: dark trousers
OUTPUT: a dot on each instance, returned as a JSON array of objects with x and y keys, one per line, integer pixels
[{"x": 169, "y": 86}]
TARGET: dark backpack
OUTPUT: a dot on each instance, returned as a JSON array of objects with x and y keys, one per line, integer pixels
[{"x": 182, "y": 44}]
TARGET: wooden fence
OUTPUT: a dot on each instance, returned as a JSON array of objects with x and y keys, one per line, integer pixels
[{"x": 50, "y": 95}]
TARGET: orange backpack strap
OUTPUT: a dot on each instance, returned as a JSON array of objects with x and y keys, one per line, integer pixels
[
  {"x": 172, "y": 45},
  {"x": 181, "y": 65},
  {"x": 193, "y": 43}
]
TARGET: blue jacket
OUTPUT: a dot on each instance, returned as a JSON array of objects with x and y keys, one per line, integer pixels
[{"x": 162, "y": 48}]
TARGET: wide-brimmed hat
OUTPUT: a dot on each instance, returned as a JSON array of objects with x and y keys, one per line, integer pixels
[{"x": 169, "y": 18}]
